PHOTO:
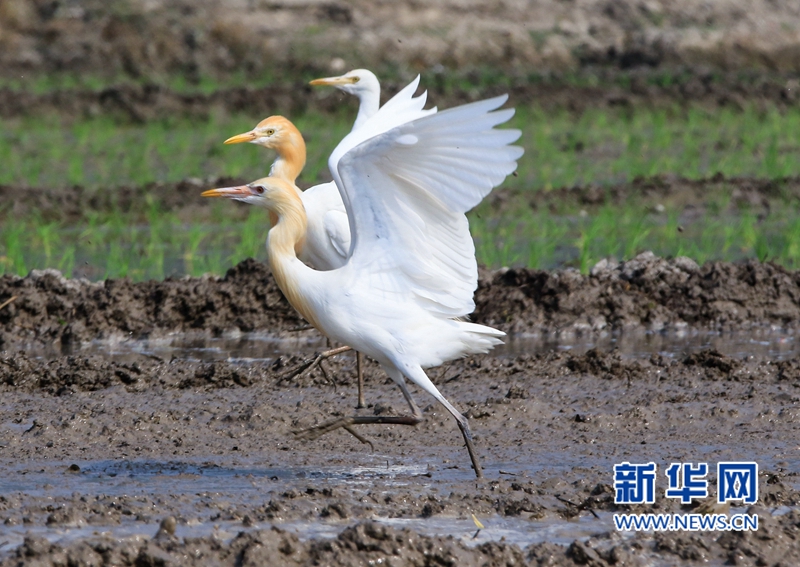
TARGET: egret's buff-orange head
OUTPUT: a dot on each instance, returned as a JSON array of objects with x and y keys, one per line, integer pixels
[
  {"x": 273, "y": 132},
  {"x": 279, "y": 134}
]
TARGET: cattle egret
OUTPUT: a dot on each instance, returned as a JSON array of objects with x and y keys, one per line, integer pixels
[
  {"x": 362, "y": 84},
  {"x": 411, "y": 273},
  {"x": 327, "y": 241}
]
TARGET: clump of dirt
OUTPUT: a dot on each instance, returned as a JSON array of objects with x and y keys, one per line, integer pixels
[
  {"x": 50, "y": 308},
  {"x": 646, "y": 293}
]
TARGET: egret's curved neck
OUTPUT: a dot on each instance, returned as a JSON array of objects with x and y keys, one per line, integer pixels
[
  {"x": 369, "y": 102},
  {"x": 291, "y": 158},
  {"x": 284, "y": 241}
]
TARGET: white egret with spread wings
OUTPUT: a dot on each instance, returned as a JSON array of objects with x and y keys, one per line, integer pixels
[{"x": 411, "y": 274}]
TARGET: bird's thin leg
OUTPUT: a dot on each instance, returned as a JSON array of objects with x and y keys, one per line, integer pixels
[
  {"x": 360, "y": 374},
  {"x": 308, "y": 366},
  {"x": 418, "y": 376},
  {"x": 463, "y": 425},
  {"x": 357, "y": 435},
  {"x": 347, "y": 422}
]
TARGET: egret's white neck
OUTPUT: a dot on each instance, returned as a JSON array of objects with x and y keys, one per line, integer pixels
[{"x": 369, "y": 102}]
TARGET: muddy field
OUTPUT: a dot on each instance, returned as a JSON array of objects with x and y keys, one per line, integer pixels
[
  {"x": 155, "y": 423},
  {"x": 151, "y": 460}
]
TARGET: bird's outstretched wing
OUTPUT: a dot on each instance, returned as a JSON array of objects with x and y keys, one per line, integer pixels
[{"x": 407, "y": 186}]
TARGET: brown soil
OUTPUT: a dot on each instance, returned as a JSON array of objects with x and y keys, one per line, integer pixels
[
  {"x": 194, "y": 38},
  {"x": 548, "y": 428},
  {"x": 69, "y": 204},
  {"x": 672, "y": 192},
  {"x": 615, "y": 89},
  {"x": 646, "y": 293}
]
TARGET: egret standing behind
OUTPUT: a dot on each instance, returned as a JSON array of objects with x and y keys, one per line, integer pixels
[{"x": 327, "y": 242}]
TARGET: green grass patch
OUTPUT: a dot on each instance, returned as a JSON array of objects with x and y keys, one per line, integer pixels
[
  {"x": 101, "y": 153},
  {"x": 562, "y": 149},
  {"x": 116, "y": 246},
  {"x": 545, "y": 241}
]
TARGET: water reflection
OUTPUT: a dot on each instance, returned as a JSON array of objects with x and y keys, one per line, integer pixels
[{"x": 259, "y": 347}]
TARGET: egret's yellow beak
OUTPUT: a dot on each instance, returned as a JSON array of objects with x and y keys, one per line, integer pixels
[
  {"x": 230, "y": 192},
  {"x": 333, "y": 81},
  {"x": 239, "y": 138}
]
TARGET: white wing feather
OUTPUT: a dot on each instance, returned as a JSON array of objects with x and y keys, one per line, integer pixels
[
  {"x": 327, "y": 240},
  {"x": 337, "y": 228},
  {"x": 327, "y": 244},
  {"x": 407, "y": 187}
]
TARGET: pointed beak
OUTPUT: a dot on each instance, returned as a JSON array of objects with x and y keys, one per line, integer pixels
[
  {"x": 239, "y": 138},
  {"x": 332, "y": 81},
  {"x": 230, "y": 192}
]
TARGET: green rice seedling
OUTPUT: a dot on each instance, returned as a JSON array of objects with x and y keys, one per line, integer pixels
[
  {"x": 790, "y": 252},
  {"x": 638, "y": 230},
  {"x": 66, "y": 263},
  {"x": 591, "y": 243},
  {"x": 46, "y": 233},
  {"x": 251, "y": 236},
  {"x": 562, "y": 149},
  {"x": 194, "y": 235},
  {"x": 13, "y": 254}
]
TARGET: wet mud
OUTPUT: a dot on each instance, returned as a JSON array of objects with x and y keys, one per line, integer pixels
[
  {"x": 177, "y": 462},
  {"x": 147, "y": 460}
]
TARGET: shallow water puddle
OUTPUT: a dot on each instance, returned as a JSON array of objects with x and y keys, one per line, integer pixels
[
  {"x": 187, "y": 484},
  {"x": 510, "y": 530},
  {"x": 775, "y": 344},
  {"x": 258, "y": 347}
]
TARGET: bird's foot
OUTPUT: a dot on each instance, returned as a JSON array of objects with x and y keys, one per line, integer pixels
[{"x": 347, "y": 424}]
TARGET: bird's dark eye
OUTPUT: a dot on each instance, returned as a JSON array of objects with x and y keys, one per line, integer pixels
[
  {"x": 259, "y": 189},
  {"x": 270, "y": 132},
  {"x": 356, "y": 79}
]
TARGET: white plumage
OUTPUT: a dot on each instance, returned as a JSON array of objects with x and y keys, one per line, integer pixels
[{"x": 406, "y": 182}]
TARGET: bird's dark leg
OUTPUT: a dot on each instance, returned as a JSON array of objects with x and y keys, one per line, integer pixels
[
  {"x": 309, "y": 365},
  {"x": 413, "y": 419},
  {"x": 347, "y": 422},
  {"x": 360, "y": 373},
  {"x": 467, "y": 434},
  {"x": 463, "y": 425}
]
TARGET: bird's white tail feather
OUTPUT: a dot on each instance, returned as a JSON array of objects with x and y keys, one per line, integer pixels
[{"x": 479, "y": 339}]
